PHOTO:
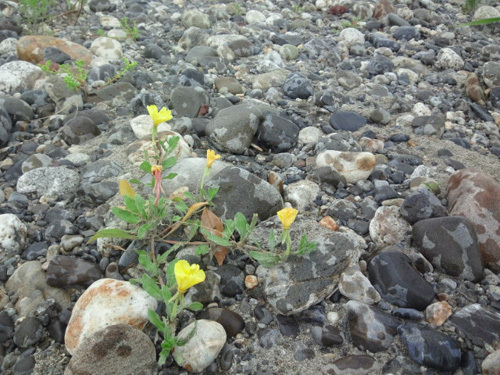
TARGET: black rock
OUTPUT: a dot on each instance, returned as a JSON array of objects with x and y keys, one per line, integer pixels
[
  {"x": 55, "y": 55},
  {"x": 297, "y": 86},
  {"x": 277, "y": 133},
  {"x": 24, "y": 365},
  {"x": 379, "y": 65},
  {"x": 429, "y": 347},
  {"x": 379, "y": 42},
  {"x": 397, "y": 281},
  {"x": 263, "y": 314},
  {"x": 70, "y": 272},
  {"x": 406, "y": 33},
  {"x": 103, "y": 72},
  {"x": 288, "y": 325},
  {"x": 154, "y": 51},
  {"x": 35, "y": 250},
  {"x": 420, "y": 205},
  {"x": 405, "y": 313},
  {"x": 232, "y": 280},
  {"x": 28, "y": 332},
  {"x": 347, "y": 120},
  {"x": 6, "y": 327},
  {"x": 327, "y": 336},
  {"x": 192, "y": 77},
  {"x": 478, "y": 324},
  {"x": 495, "y": 96},
  {"x": 101, "y": 6},
  {"x": 232, "y": 322},
  {"x": 450, "y": 243}
]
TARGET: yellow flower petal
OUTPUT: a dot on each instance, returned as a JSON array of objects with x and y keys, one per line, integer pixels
[
  {"x": 126, "y": 189},
  {"x": 159, "y": 117},
  {"x": 187, "y": 275},
  {"x": 287, "y": 216},
  {"x": 211, "y": 157}
]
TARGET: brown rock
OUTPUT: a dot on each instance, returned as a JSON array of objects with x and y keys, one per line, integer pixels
[
  {"x": 437, "y": 313},
  {"x": 30, "y": 48},
  {"x": 474, "y": 90},
  {"x": 329, "y": 223},
  {"x": 383, "y": 8},
  {"x": 474, "y": 195}
]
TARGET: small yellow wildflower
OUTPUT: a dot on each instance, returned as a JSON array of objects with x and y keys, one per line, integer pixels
[
  {"x": 159, "y": 117},
  {"x": 287, "y": 216},
  {"x": 187, "y": 275},
  {"x": 211, "y": 157}
]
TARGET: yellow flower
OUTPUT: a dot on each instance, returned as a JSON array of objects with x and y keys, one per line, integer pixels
[
  {"x": 287, "y": 216},
  {"x": 211, "y": 157},
  {"x": 159, "y": 117},
  {"x": 187, "y": 275}
]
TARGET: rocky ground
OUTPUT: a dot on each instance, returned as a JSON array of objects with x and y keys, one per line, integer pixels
[{"x": 378, "y": 120}]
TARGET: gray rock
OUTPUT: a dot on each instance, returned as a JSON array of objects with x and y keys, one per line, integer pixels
[
  {"x": 278, "y": 133},
  {"x": 369, "y": 328},
  {"x": 242, "y": 191},
  {"x": 16, "y": 76},
  {"x": 70, "y": 272},
  {"x": 298, "y": 86},
  {"x": 398, "y": 282},
  {"x": 118, "y": 349},
  {"x": 18, "y": 108},
  {"x": 51, "y": 181},
  {"x": 359, "y": 364},
  {"x": 479, "y": 324},
  {"x": 379, "y": 65},
  {"x": 300, "y": 282},
  {"x": 5, "y": 125},
  {"x": 450, "y": 244},
  {"x": 195, "y": 18},
  {"x": 347, "y": 120},
  {"x": 187, "y": 101},
  {"x": 78, "y": 130},
  {"x": 36, "y": 161},
  {"x": 28, "y": 332},
  {"x": 192, "y": 37},
  {"x": 234, "y": 127},
  {"x": 421, "y": 204},
  {"x": 55, "y": 55}
]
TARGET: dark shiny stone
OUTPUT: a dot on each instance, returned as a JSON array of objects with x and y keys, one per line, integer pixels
[
  {"x": 70, "y": 272},
  {"x": 288, "y": 325},
  {"x": 232, "y": 322}
]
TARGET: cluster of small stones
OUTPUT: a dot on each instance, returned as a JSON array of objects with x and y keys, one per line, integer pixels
[{"x": 377, "y": 119}]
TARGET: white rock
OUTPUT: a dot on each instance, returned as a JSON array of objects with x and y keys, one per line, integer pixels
[
  {"x": 420, "y": 109},
  {"x": 356, "y": 286},
  {"x": 254, "y": 16},
  {"x": 104, "y": 303},
  {"x": 142, "y": 125},
  {"x": 485, "y": 11},
  {"x": 354, "y": 166},
  {"x": 17, "y": 75},
  {"x": 50, "y": 181},
  {"x": 491, "y": 364},
  {"x": 8, "y": 47},
  {"x": 352, "y": 37},
  {"x": 301, "y": 194},
  {"x": 388, "y": 227},
  {"x": 202, "y": 349},
  {"x": 12, "y": 235},
  {"x": 110, "y": 22},
  {"x": 117, "y": 34},
  {"x": 449, "y": 59},
  {"x": 310, "y": 134},
  {"x": 107, "y": 48},
  {"x": 78, "y": 158}
]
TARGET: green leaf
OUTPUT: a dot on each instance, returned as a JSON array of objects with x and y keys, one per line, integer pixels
[
  {"x": 202, "y": 250},
  {"x": 228, "y": 228},
  {"x": 169, "y": 273},
  {"x": 241, "y": 224},
  {"x": 305, "y": 246},
  {"x": 212, "y": 193},
  {"x": 189, "y": 336},
  {"x": 169, "y": 163},
  {"x": 216, "y": 239},
  {"x": 265, "y": 259},
  {"x": 147, "y": 263},
  {"x": 172, "y": 143},
  {"x": 145, "y": 167},
  {"x": 143, "y": 229},
  {"x": 195, "y": 306},
  {"x": 140, "y": 206},
  {"x": 136, "y": 181},
  {"x": 112, "y": 233},
  {"x": 189, "y": 195},
  {"x": 169, "y": 176},
  {"x": 166, "y": 293},
  {"x": 130, "y": 203},
  {"x": 150, "y": 286},
  {"x": 181, "y": 207},
  {"x": 125, "y": 215},
  {"x": 484, "y": 21},
  {"x": 156, "y": 320},
  {"x": 272, "y": 240}
]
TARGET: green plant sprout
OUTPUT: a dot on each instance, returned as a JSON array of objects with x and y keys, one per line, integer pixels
[{"x": 132, "y": 31}]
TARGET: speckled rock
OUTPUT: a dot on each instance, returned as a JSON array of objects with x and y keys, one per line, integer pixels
[
  {"x": 106, "y": 49},
  {"x": 242, "y": 191},
  {"x": 297, "y": 86},
  {"x": 17, "y": 75},
  {"x": 449, "y": 59},
  {"x": 187, "y": 101},
  {"x": 49, "y": 181},
  {"x": 118, "y": 349},
  {"x": 300, "y": 282},
  {"x": 354, "y": 166},
  {"x": 391, "y": 272},
  {"x": 473, "y": 194},
  {"x": 141, "y": 126},
  {"x": 356, "y": 286},
  {"x": 450, "y": 244},
  {"x": 388, "y": 227},
  {"x": 301, "y": 194},
  {"x": 438, "y": 312},
  {"x": 107, "y": 302},
  {"x": 369, "y": 328},
  {"x": 203, "y": 347},
  {"x": 13, "y": 233}
]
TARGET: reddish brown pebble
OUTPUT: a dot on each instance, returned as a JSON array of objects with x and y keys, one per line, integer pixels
[
  {"x": 329, "y": 223},
  {"x": 338, "y": 10}
]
